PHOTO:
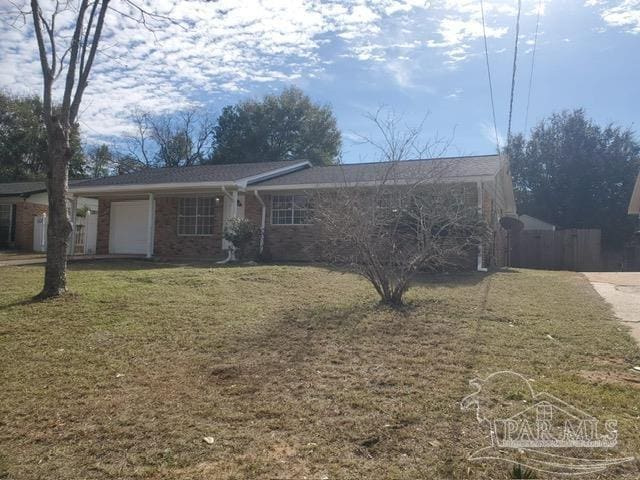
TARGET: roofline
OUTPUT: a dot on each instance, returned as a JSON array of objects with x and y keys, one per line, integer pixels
[
  {"x": 261, "y": 177},
  {"x": 370, "y": 183},
  {"x": 145, "y": 187},
  {"x": 453, "y": 157},
  {"x": 23, "y": 194}
]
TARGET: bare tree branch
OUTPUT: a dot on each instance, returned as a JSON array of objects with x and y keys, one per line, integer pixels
[{"x": 409, "y": 217}]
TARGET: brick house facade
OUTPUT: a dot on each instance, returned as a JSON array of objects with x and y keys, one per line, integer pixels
[
  {"x": 161, "y": 192},
  {"x": 22, "y": 202},
  {"x": 25, "y": 214}
]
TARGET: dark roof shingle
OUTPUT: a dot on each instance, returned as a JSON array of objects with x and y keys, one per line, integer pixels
[
  {"x": 451, "y": 167},
  {"x": 21, "y": 188},
  {"x": 198, "y": 173},
  {"x": 405, "y": 170}
]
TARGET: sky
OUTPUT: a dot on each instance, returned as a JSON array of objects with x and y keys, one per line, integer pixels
[{"x": 424, "y": 60}]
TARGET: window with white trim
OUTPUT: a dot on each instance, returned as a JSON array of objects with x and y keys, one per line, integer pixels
[
  {"x": 195, "y": 216},
  {"x": 290, "y": 210}
]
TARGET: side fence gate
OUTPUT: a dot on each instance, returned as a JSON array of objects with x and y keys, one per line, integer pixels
[{"x": 571, "y": 249}]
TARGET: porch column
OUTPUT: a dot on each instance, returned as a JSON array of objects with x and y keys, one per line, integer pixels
[
  {"x": 151, "y": 220},
  {"x": 234, "y": 206},
  {"x": 74, "y": 213}
]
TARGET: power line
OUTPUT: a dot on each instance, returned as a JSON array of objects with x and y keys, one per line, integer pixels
[
  {"x": 486, "y": 54},
  {"x": 533, "y": 61},
  {"x": 513, "y": 75}
]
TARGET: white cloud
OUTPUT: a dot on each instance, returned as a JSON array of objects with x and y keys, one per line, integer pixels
[
  {"x": 625, "y": 15},
  {"x": 217, "y": 49}
]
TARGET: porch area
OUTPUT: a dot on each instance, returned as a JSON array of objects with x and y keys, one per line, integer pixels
[{"x": 172, "y": 223}]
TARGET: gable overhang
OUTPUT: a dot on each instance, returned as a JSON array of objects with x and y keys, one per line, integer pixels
[
  {"x": 278, "y": 172},
  {"x": 634, "y": 204},
  {"x": 143, "y": 188},
  {"x": 25, "y": 194}
]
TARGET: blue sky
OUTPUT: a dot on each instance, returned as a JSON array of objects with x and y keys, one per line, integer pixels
[{"x": 416, "y": 57}]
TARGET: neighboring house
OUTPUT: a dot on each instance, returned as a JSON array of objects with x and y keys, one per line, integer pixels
[
  {"x": 180, "y": 212},
  {"x": 23, "y": 218},
  {"x": 533, "y": 223}
]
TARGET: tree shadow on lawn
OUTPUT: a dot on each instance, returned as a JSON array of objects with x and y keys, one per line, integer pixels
[{"x": 365, "y": 385}]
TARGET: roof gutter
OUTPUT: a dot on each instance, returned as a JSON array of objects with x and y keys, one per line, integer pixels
[
  {"x": 145, "y": 188},
  {"x": 22, "y": 194},
  {"x": 263, "y": 220},
  {"x": 371, "y": 183}
]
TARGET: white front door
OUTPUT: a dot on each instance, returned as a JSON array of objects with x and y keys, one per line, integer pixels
[
  {"x": 227, "y": 213},
  {"x": 129, "y": 227}
]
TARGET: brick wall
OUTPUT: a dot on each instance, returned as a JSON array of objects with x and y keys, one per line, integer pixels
[
  {"x": 25, "y": 213},
  {"x": 168, "y": 243},
  {"x": 282, "y": 243}
]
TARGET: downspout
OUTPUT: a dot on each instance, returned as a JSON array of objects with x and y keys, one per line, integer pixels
[
  {"x": 480, "y": 268},
  {"x": 262, "y": 221},
  {"x": 151, "y": 227}
]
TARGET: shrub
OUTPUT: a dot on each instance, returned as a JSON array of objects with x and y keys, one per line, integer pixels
[{"x": 244, "y": 235}]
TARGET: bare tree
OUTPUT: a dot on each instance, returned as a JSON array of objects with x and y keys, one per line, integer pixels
[
  {"x": 409, "y": 217},
  {"x": 183, "y": 139},
  {"x": 71, "y": 58}
]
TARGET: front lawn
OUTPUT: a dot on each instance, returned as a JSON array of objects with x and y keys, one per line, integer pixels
[{"x": 293, "y": 371}]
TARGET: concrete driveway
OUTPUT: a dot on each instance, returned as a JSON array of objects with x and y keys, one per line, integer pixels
[{"x": 622, "y": 291}]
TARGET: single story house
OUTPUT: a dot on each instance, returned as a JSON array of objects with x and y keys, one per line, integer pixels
[
  {"x": 23, "y": 218},
  {"x": 181, "y": 212}
]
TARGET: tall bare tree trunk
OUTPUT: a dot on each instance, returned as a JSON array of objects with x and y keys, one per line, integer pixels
[{"x": 59, "y": 228}]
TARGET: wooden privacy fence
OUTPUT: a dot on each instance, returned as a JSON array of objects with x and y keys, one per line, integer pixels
[{"x": 571, "y": 249}]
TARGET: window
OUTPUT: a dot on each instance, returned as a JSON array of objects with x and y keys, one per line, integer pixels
[
  {"x": 195, "y": 216},
  {"x": 5, "y": 223},
  {"x": 290, "y": 210}
]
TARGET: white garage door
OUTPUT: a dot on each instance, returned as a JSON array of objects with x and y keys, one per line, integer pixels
[{"x": 129, "y": 227}]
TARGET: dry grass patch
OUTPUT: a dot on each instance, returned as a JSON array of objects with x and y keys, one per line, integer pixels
[{"x": 294, "y": 371}]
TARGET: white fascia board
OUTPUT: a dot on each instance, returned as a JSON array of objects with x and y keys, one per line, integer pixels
[
  {"x": 313, "y": 186},
  {"x": 146, "y": 188},
  {"x": 243, "y": 182},
  {"x": 10, "y": 200}
]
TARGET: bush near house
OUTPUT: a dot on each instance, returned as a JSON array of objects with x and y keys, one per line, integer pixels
[{"x": 244, "y": 235}]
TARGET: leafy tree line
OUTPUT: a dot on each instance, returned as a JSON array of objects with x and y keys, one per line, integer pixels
[
  {"x": 574, "y": 173},
  {"x": 23, "y": 140},
  {"x": 286, "y": 126}
]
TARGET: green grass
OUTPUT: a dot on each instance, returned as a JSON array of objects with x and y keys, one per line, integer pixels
[{"x": 293, "y": 370}]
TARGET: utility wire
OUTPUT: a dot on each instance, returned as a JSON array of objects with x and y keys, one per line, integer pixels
[
  {"x": 533, "y": 62},
  {"x": 513, "y": 75},
  {"x": 486, "y": 55}
]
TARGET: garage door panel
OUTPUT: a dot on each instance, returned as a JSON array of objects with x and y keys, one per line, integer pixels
[{"x": 128, "y": 230}]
